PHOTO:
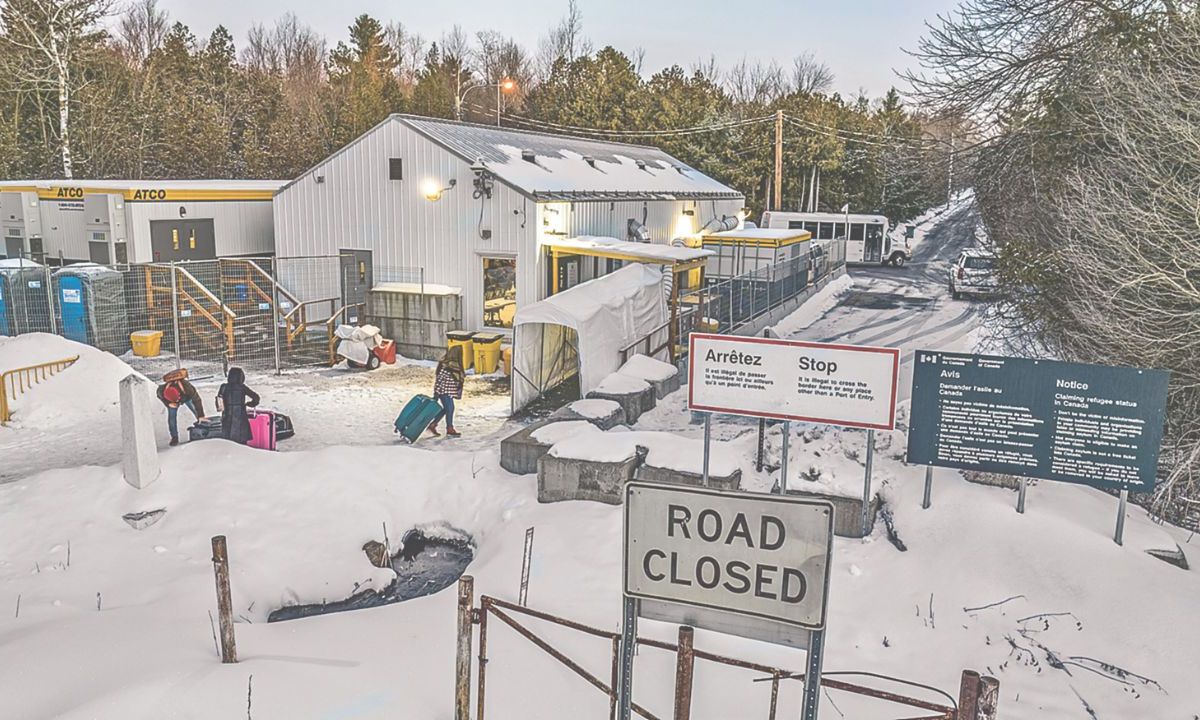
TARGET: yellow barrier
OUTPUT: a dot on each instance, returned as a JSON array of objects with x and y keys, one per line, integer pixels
[{"x": 16, "y": 382}]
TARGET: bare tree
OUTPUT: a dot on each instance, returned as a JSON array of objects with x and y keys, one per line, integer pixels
[
  {"x": 44, "y": 42},
  {"x": 564, "y": 42},
  {"x": 410, "y": 50},
  {"x": 810, "y": 76},
  {"x": 141, "y": 31},
  {"x": 760, "y": 83}
]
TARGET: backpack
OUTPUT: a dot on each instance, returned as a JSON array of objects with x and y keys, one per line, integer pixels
[{"x": 172, "y": 393}]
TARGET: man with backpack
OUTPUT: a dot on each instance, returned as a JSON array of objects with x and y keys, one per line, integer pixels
[{"x": 176, "y": 391}]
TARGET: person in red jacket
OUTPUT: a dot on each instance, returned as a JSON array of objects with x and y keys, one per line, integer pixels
[{"x": 176, "y": 391}]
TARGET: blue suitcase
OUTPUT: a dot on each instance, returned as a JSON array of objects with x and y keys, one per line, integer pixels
[{"x": 416, "y": 416}]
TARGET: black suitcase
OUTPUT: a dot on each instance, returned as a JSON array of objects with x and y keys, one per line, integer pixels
[
  {"x": 209, "y": 427},
  {"x": 283, "y": 426}
]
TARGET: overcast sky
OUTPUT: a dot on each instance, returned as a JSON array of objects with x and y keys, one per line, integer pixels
[{"x": 860, "y": 40}]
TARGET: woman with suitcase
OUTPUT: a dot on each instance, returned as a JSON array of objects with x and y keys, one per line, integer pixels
[
  {"x": 176, "y": 391},
  {"x": 448, "y": 387},
  {"x": 233, "y": 397}
]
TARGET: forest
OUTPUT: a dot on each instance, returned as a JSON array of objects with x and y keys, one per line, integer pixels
[{"x": 89, "y": 89}]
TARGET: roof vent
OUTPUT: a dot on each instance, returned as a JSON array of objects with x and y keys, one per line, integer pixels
[
  {"x": 679, "y": 169},
  {"x": 641, "y": 164},
  {"x": 589, "y": 160},
  {"x": 528, "y": 156}
]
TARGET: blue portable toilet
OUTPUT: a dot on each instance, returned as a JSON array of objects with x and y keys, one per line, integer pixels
[
  {"x": 5, "y": 328},
  {"x": 91, "y": 302}
]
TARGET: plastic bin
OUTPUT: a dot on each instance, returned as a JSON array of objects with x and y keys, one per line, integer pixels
[
  {"x": 386, "y": 352},
  {"x": 506, "y": 359},
  {"x": 487, "y": 352},
  {"x": 464, "y": 338},
  {"x": 146, "y": 343}
]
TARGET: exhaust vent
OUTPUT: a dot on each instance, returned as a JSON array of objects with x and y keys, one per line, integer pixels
[{"x": 528, "y": 156}]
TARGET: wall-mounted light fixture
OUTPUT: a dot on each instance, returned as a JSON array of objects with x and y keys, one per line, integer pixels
[
  {"x": 432, "y": 189},
  {"x": 691, "y": 212}
]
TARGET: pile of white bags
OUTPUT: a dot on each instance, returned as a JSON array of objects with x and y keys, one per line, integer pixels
[{"x": 357, "y": 342}]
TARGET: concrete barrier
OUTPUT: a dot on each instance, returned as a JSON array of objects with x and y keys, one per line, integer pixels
[
  {"x": 667, "y": 476},
  {"x": 564, "y": 478},
  {"x": 519, "y": 452},
  {"x": 634, "y": 395},
  {"x": 847, "y": 512},
  {"x": 139, "y": 451},
  {"x": 604, "y": 414},
  {"x": 662, "y": 376}
]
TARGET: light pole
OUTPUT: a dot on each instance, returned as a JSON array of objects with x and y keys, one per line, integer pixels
[{"x": 506, "y": 85}]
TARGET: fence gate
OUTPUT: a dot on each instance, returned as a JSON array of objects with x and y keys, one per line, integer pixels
[{"x": 977, "y": 699}]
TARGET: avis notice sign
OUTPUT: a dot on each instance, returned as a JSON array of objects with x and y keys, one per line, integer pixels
[
  {"x": 761, "y": 556},
  {"x": 843, "y": 385}
]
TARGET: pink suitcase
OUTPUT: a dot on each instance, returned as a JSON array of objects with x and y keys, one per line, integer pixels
[{"x": 262, "y": 429}]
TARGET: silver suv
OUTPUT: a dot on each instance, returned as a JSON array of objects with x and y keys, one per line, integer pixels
[{"x": 974, "y": 273}]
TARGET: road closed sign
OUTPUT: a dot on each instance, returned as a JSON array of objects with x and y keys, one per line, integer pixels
[
  {"x": 761, "y": 556},
  {"x": 843, "y": 385}
]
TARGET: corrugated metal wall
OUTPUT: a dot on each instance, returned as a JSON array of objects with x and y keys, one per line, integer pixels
[
  {"x": 64, "y": 228},
  {"x": 358, "y": 207},
  {"x": 664, "y": 218},
  {"x": 240, "y": 227}
]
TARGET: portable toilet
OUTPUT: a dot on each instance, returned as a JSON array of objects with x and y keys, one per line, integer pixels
[
  {"x": 5, "y": 328},
  {"x": 91, "y": 300},
  {"x": 26, "y": 296}
]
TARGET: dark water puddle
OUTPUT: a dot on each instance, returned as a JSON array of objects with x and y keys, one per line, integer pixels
[{"x": 425, "y": 565}]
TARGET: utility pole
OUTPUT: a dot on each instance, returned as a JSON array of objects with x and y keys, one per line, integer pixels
[
  {"x": 777, "y": 200},
  {"x": 950, "y": 176}
]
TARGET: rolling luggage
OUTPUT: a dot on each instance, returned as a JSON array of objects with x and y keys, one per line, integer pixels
[
  {"x": 416, "y": 416},
  {"x": 283, "y": 426},
  {"x": 262, "y": 429},
  {"x": 209, "y": 427}
]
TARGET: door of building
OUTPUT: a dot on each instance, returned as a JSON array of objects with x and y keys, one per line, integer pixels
[
  {"x": 357, "y": 280},
  {"x": 74, "y": 311},
  {"x": 175, "y": 240},
  {"x": 14, "y": 246}
]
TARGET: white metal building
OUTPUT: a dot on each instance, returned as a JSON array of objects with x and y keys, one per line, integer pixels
[
  {"x": 473, "y": 206},
  {"x": 135, "y": 221}
]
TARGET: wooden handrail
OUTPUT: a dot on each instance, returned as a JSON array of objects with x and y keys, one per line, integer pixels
[{"x": 18, "y": 380}]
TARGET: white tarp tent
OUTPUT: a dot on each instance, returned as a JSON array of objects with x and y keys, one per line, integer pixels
[{"x": 582, "y": 331}]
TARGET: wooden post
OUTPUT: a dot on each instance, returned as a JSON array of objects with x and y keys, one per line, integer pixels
[
  {"x": 684, "y": 664},
  {"x": 989, "y": 697},
  {"x": 220, "y": 558},
  {"x": 462, "y": 664},
  {"x": 968, "y": 696}
]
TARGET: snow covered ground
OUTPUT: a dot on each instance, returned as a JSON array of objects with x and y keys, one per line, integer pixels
[{"x": 102, "y": 620}]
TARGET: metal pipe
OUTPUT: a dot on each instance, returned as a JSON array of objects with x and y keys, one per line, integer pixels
[
  {"x": 1119, "y": 535},
  {"x": 866, "y": 505},
  {"x": 275, "y": 314},
  {"x": 175, "y": 312},
  {"x": 783, "y": 463},
  {"x": 1021, "y": 495},
  {"x": 479, "y": 706},
  {"x": 685, "y": 664},
  {"x": 812, "y": 676},
  {"x": 925, "y": 503},
  {"x": 707, "y": 449}
]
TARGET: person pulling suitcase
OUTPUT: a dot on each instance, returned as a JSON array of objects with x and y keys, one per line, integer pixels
[
  {"x": 448, "y": 387},
  {"x": 176, "y": 391}
]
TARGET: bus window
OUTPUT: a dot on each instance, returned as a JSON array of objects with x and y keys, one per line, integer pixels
[
  {"x": 856, "y": 231},
  {"x": 812, "y": 228},
  {"x": 795, "y": 225},
  {"x": 839, "y": 230},
  {"x": 874, "y": 233},
  {"x": 826, "y": 232}
]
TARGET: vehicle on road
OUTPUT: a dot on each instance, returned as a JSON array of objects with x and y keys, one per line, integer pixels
[
  {"x": 974, "y": 273},
  {"x": 868, "y": 241}
]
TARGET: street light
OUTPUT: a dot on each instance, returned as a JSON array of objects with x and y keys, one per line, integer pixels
[{"x": 506, "y": 85}]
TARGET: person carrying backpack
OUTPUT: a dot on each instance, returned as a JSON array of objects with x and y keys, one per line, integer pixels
[
  {"x": 233, "y": 397},
  {"x": 448, "y": 387},
  {"x": 176, "y": 391}
]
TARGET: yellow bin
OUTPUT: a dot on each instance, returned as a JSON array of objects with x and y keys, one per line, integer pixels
[
  {"x": 464, "y": 338},
  {"x": 506, "y": 359},
  {"x": 146, "y": 343},
  {"x": 487, "y": 352}
]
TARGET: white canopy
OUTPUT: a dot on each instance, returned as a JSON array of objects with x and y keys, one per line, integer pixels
[{"x": 582, "y": 331}]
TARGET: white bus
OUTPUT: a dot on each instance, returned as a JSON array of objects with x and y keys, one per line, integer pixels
[{"x": 868, "y": 242}]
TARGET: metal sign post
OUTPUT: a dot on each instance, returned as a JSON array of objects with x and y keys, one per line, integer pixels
[
  {"x": 625, "y": 669},
  {"x": 707, "y": 445},
  {"x": 866, "y": 505},
  {"x": 926, "y": 501},
  {"x": 1119, "y": 535},
  {"x": 526, "y": 562},
  {"x": 812, "y": 675},
  {"x": 783, "y": 462},
  {"x": 1021, "y": 495}
]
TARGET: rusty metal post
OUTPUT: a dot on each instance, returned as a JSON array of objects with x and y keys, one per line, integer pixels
[
  {"x": 989, "y": 697},
  {"x": 684, "y": 666},
  {"x": 774, "y": 696},
  {"x": 220, "y": 558},
  {"x": 462, "y": 664},
  {"x": 483, "y": 613},
  {"x": 968, "y": 696}
]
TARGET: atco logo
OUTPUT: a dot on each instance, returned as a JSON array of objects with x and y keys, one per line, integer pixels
[
  {"x": 69, "y": 192},
  {"x": 149, "y": 194}
]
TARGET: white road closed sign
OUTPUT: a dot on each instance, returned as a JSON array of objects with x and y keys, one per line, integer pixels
[
  {"x": 764, "y": 556},
  {"x": 843, "y": 385}
]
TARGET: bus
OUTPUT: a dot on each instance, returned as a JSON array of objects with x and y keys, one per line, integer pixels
[{"x": 868, "y": 242}]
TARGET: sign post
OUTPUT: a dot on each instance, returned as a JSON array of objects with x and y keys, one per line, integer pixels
[
  {"x": 783, "y": 461},
  {"x": 866, "y": 506},
  {"x": 926, "y": 501},
  {"x": 1069, "y": 422},
  {"x": 625, "y": 669},
  {"x": 1119, "y": 535}
]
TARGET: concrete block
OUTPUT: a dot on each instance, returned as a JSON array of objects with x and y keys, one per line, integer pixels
[
  {"x": 139, "y": 451},
  {"x": 663, "y": 376},
  {"x": 561, "y": 478},
  {"x": 649, "y": 473},
  {"x": 519, "y": 452},
  {"x": 847, "y": 512},
  {"x": 604, "y": 414}
]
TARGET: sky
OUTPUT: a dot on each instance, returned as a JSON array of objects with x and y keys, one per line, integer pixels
[{"x": 862, "y": 41}]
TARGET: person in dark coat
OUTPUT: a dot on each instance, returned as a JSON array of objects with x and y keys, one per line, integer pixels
[
  {"x": 233, "y": 397},
  {"x": 176, "y": 391},
  {"x": 448, "y": 387}
]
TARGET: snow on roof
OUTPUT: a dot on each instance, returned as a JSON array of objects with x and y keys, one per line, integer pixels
[
  {"x": 123, "y": 185},
  {"x": 18, "y": 263},
  {"x": 655, "y": 252},
  {"x": 550, "y": 167},
  {"x": 417, "y": 288},
  {"x": 760, "y": 234}
]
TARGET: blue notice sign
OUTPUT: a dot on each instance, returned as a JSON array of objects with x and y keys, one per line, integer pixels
[{"x": 1091, "y": 424}]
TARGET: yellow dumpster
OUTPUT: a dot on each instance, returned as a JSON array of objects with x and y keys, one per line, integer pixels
[
  {"x": 506, "y": 359},
  {"x": 487, "y": 352},
  {"x": 463, "y": 338},
  {"x": 146, "y": 343}
]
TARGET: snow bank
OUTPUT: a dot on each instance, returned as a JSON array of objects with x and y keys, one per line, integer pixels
[
  {"x": 559, "y": 431},
  {"x": 814, "y": 308},
  {"x": 87, "y": 389},
  {"x": 666, "y": 450}
]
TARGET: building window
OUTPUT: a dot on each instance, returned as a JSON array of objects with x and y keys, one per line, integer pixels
[
  {"x": 395, "y": 168},
  {"x": 499, "y": 292},
  {"x": 856, "y": 232}
]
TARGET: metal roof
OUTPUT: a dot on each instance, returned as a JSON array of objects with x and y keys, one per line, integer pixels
[{"x": 561, "y": 167}]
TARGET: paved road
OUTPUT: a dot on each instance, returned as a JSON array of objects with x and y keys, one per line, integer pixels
[{"x": 907, "y": 307}]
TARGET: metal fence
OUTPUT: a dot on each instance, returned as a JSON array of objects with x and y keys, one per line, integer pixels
[
  {"x": 726, "y": 305},
  {"x": 259, "y": 313}
]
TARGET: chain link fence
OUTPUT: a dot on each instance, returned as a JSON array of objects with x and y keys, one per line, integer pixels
[{"x": 258, "y": 313}]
